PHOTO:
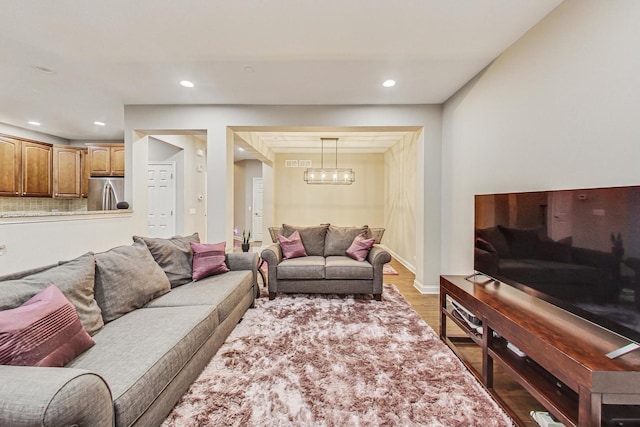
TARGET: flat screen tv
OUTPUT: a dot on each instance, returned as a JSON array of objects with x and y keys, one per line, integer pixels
[{"x": 578, "y": 249}]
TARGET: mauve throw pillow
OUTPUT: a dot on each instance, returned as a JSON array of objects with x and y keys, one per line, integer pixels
[
  {"x": 340, "y": 238},
  {"x": 74, "y": 278},
  {"x": 312, "y": 237},
  {"x": 359, "y": 249},
  {"x": 208, "y": 259},
  {"x": 292, "y": 246},
  {"x": 44, "y": 331},
  {"x": 173, "y": 255}
]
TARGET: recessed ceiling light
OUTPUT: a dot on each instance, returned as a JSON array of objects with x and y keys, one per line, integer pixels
[
  {"x": 248, "y": 69},
  {"x": 240, "y": 149},
  {"x": 34, "y": 123},
  {"x": 389, "y": 83},
  {"x": 99, "y": 123},
  {"x": 187, "y": 83}
]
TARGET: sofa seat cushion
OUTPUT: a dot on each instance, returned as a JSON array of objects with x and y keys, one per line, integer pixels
[
  {"x": 140, "y": 353},
  {"x": 542, "y": 271},
  {"x": 309, "y": 267},
  {"x": 343, "y": 267},
  {"x": 223, "y": 291}
]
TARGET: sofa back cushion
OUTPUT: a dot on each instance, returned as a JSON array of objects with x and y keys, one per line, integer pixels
[
  {"x": 339, "y": 239},
  {"x": 496, "y": 239},
  {"x": 44, "y": 331},
  {"x": 292, "y": 246},
  {"x": 127, "y": 277},
  {"x": 74, "y": 278},
  {"x": 312, "y": 237},
  {"x": 208, "y": 259},
  {"x": 523, "y": 242},
  {"x": 173, "y": 255}
]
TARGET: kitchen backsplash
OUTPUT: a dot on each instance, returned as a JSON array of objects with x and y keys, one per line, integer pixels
[{"x": 41, "y": 204}]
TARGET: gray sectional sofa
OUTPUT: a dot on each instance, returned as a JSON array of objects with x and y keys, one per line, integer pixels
[
  {"x": 154, "y": 332},
  {"x": 326, "y": 268}
]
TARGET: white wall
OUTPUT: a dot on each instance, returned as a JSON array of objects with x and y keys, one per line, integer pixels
[
  {"x": 217, "y": 121},
  {"x": 31, "y": 134},
  {"x": 41, "y": 242},
  {"x": 559, "y": 109},
  {"x": 190, "y": 183}
]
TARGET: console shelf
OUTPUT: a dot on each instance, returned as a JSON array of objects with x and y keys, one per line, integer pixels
[{"x": 565, "y": 367}]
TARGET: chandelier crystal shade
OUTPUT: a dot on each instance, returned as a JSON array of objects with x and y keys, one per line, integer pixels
[{"x": 330, "y": 176}]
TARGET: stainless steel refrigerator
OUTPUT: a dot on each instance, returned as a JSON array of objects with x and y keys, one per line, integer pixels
[{"x": 105, "y": 193}]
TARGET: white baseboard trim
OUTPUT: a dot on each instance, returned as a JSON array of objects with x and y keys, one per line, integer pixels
[
  {"x": 401, "y": 260},
  {"x": 426, "y": 289}
]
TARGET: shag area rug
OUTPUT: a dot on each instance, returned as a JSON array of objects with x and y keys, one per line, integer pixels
[
  {"x": 327, "y": 360},
  {"x": 387, "y": 269}
]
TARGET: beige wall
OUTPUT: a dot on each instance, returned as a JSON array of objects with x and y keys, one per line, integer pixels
[
  {"x": 400, "y": 164},
  {"x": 299, "y": 203},
  {"x": 244, "y": 172}
]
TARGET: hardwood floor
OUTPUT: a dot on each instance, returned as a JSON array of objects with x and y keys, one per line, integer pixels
[{"x": 427, "y": 306}]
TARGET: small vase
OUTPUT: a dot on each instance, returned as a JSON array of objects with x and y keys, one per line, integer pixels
[{"x": 245, "y": 247}]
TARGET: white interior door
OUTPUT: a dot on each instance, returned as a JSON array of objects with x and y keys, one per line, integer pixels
[
  {"x": 256, "y": 223},
  {"x": 559, "y": 213},
  {"x": 161, "y": 218}
]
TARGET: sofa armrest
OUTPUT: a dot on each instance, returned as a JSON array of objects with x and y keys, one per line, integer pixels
[
  {"x": 272, "y": 255},
  {"x": 244, "y": 261},
  {"x": 38, "y": 396},
  {"x": 378, "y": 256}
]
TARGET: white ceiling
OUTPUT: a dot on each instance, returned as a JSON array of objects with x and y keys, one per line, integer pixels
[{"x": 107, "y": 54}]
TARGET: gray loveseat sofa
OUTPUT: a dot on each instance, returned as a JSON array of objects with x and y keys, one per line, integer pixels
[
  {"x": 154, "y": 331},
  {"x": 326, "y": 268}
]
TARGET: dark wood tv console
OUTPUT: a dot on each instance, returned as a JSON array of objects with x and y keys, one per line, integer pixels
[{"x": 565, "y": 367}]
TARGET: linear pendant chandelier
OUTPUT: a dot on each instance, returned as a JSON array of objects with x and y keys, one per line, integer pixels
[{"x": 330, "y": 176}]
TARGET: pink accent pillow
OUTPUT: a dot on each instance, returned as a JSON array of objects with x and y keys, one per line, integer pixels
[
  {"x": 359, "y": 249},
  {"x": 208, "y": 259},
  {"x": 292, "y": 246},
  {"x": 44, "y": 331}
]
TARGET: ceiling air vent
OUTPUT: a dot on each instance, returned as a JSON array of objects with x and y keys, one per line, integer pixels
[{"x": 290, "y": 163}]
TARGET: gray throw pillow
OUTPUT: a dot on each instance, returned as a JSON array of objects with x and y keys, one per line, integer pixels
[
  {"x": 173, "y": 255},
  {"x": 312, "y": 237},
  {"x": 74, "y": 278},
  {"x": 340, "y": 238},
  {"x": 127, "y": 277}
]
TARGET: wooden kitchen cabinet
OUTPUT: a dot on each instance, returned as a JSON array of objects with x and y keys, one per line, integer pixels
[
  {"x": 67, "y": 172},
  {"x": 86, "y": 172},
  {"x": 25, "y": 167},
  {"x": 36, "y": 169},
  {"x": 10, "y": 166},
  {"x": 106, "y": 160},
  {"x": 117, "y": 160}
]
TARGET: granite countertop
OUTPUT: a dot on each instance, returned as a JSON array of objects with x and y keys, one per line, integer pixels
[{"x": 30, "y": 214}]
